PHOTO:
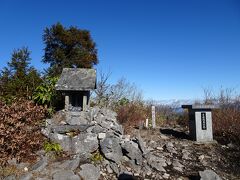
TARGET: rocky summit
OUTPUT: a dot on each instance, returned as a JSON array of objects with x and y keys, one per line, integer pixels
[{"x": 97, "y": 148}]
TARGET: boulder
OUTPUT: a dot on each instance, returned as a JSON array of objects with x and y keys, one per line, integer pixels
[
  {"x": 131, "y": 150},
  {"x": 89, "y": 172},
  {"x": 98, "y": 129},
  {"x": 110, "y": 147},
  {"x": 176, "y": 163},
  {"x": 40, "y": 165},
  {"x": 109, "y": 114},
  {"x": 85, "y": 143},
  {"x": 114, "y": 167},
  {"x": 140, "y": 144},
  {"x": 71, "y": 164},
  {"x": 156, "y": 162},
  {"x": 116, "y": 128},
  {"x": 208, "y": 175},
  {"x": 94, "y": 112},
  {"x": 65, "y": 175},
  {"x": 170, "y": 148},
  {"x": 64, "y": 140},
  {"x": 185, "y": 154},
  {"x": 109, "y": 169},
  {"x": 77, "y": 118}
]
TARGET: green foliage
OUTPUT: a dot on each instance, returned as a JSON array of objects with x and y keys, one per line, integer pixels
[
  {"x": 50, "y": 146},
  {"x": 45, "y": 93},
  {"x": 96, "y": 157},
  {"x": 123, "y": 101},
  {"x": 18, "y": 79},
  {"x": 68, "y": 47}
]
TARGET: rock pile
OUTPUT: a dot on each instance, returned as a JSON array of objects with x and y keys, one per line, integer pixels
[
  {"x": 88, "y": 131},
  {"x": 83, "y": 133}
]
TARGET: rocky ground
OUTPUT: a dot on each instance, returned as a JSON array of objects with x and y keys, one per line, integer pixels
[
  {"x": 96, "y": 148},
  {"x": 185, "y": 158}
]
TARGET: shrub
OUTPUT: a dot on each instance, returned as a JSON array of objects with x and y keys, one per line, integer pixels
[
  {"x": 96, "y": 157},
  {"x": 45, "y": 92},
  {"x": 183, "y": 119},
  {"x": 20, "y": 135},
  {"x": 226, "y": 125},
  {"x": 226, "y": 119},
  {"x": 51, "y": 146},
  {"x": 131, "y": 115},
  {"x": 46, "y": 95}
]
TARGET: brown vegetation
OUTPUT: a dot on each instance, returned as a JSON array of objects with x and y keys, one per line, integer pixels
[
  {"x": 226, "y": 125},
  {"x": 226, "y": 119},
  {"x": 131, "y": 115},
  {"x": 20, "y": 135}
]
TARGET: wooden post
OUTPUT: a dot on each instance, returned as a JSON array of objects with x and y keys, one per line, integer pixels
[
  {"x": 66, "y": 102},
  {"x": 84, "y": 102},
  {"x": 146, "y": 123},
  {"x": 153, "y": 117}
]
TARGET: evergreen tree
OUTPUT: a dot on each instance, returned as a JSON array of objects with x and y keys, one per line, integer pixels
[
  {"x": 68, "y": 47},
  {"x": 19, "y": 79}
]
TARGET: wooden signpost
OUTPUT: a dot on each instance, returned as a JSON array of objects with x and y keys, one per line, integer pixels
[{"x": 153, "y": 117}]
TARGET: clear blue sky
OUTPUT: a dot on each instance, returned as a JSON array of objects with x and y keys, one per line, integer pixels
[{"x": 170, "y": 49}]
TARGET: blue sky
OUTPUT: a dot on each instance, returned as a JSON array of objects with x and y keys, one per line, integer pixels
[{"x": 170, "y": 49}]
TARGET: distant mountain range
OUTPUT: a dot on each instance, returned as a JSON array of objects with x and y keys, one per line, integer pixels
[{"x": 174, "y": 102}]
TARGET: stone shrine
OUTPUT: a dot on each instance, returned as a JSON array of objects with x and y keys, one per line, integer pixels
[
  {"x": 75, "y": 84},
  {"x": 200, "y": 122}
]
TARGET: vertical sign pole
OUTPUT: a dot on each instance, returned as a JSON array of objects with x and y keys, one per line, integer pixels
[
  {"x": 153, "y": 117},
  {"x": 146, "y": 123}
]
